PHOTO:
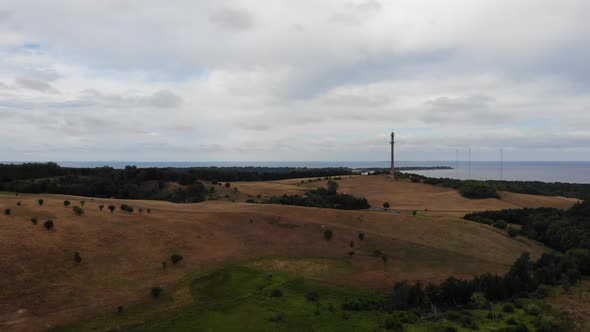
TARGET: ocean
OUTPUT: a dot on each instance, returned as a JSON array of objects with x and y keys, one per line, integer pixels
[{"x": 546, "y": 171}]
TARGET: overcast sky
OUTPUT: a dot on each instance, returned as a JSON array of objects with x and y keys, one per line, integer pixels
[{"x": 294, "y": 80}]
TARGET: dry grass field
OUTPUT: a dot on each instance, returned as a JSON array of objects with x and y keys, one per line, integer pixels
[{"x": 41, "y": 286}]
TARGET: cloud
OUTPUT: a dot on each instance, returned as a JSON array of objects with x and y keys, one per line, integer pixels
[
  {"x": 232, "y": 18},
  {"x": 35, "y": 84}
]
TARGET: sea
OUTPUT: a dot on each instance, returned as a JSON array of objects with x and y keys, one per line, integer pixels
[{"x": 546, "y": 171}]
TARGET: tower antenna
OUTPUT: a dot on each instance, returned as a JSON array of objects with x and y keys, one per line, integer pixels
[
  {"x": 392, "y": 142},
  {"x": 501, "y": 164},
  {"x": 469, "y": 163},
  {"x": 457, "y": 161}
]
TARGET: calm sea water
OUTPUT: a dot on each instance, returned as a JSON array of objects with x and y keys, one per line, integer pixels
[{"x": 547, "y": 171}]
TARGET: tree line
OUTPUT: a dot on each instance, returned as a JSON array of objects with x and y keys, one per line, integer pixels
[{"x": 323, "y": 198}]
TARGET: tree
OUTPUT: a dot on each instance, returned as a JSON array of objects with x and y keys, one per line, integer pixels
[
  {"x": 328, "y": 234},
  {"x": 312, "y": 296},
  {"x": 386, "y": 205},
  {"x": 361, "y": 236},
  {"x": 112, "y": 208},
  {"x": 148, "y": 211},
  {"x": 227, "y": 185},
  {"x": 48, "y": 225},
  {"x": 156, "y": 291},
  {"x": 176, "y": 258},
  {"x": 66, "y": 203},
  {"x": 100, "y": 207},
  {"x": 332, "y": 187},
  {"x": 40, "y": 201},
  {"x": 77, "y": 257},
  {"x": 34, "y": 221},
  {"x": 78, "y": 210},
  {"x": 7, "y": 212},
  {"x": 18, "y": 203},
  {"x": 82, "y": 203}
]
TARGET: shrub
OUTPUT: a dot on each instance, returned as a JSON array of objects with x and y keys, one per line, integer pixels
[
  {"x": 82, "y": 203},
  {"x": 312, "y": 296},
  {"x": 176, "y": 258},
  {"x": 351, "y": 253},
  {"x": 100, "y": 207},
  {"x": 40, "y": 201},
  {"x": 533, "y": 310},
  {"x": 546, "y": 324},
  {"x": 512, "y": 231},
  {"x": 140, "y": 210},
  {"x": 120, "y": 309},
  {"x": 34, "y": 221},
  {"x": 112, "y": 208},
  {"x": 508, "y": 308},
  {"x": 18, "y": 203},
  {"x": 276, "y": 293},
  {"x": 361, "y": 236},
  {"x": 149, "y": 210},
  {"x": 511, "y": 321},
  {"x": 78, "y": 210},
  {"x": 477, "y": 190},
  {"x": 77, "y": 257},
  {"x": 156, "y": 291},
  {"x": 227, "y": 185},
  {"x": 414, "y": 212},
  {"x": 393, "y": 325},
  {"x": 7, "y": 212},
  {"x": 328, "y": 234},
  {"x": 66, "y": 203},
  {"x": 386, "y": 205},
  {"x": 500, "y": 224},
  {"x": 48, "y": 225},
  {"x": 351, "y": 244}
]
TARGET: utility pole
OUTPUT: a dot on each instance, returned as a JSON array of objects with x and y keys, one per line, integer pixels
[
  {"x": 501, "y": 164},
  {"x": 392, "y": 142},
  {"x": 469, "y": 164},
  {"x": 457, "y": 161}
]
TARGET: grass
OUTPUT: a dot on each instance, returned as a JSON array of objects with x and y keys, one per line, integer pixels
[{"x": 238, "y": 298}]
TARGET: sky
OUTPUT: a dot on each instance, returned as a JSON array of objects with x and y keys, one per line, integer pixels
[{"x": 224, "y": 80}]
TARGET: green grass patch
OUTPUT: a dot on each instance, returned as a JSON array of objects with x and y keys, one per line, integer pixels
[{"x": 258, "y": 296}]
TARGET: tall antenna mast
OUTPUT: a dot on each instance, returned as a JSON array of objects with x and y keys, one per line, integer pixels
[
  {"x": 392, "y": 142},
  {"x": 457, "y": 161},
  {"x": 501, "y": 164},
  {"x": 469, "y": 164}
]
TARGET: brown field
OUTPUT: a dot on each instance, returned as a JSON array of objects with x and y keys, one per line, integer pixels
[{"x": 41, "y": 286}]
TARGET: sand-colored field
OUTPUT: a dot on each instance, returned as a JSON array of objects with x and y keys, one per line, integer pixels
[
  {"x": 405, "y": 195},
  {"x": 42, "y": 287}
]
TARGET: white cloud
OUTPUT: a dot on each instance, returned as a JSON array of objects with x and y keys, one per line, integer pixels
[{"x": 295, "y": 80}]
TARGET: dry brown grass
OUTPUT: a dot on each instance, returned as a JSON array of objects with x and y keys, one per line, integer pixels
[{"x": 41, "y": 286}]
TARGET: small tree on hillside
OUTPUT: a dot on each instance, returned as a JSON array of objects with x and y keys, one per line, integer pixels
[
  {"x": 332, "y": 186},
  {"x": 149, "y": 210},
  {"x": 82, "y": 203},
  {"x": 48, "y": 225},
  {"x": 176, "y": 258},
  {"x": 328, "y": 234},
  {"x": 78, "y": 210},
  {"x": 18, "y": 203},
  {"x": 156, "y": 291},
  {"x": 386, "y": 205},
  {"x": 100, "y": 207},
  {"x": 361, "y": 236},
  {"x": 40, "y": 201},
  {"x": 66, "y": 203},
  {"x": 77, "y": 257},
  {"x": 34, "y": 221},
  {"x": 112, "y": 208},
  {"x": 7, "y": 212}
]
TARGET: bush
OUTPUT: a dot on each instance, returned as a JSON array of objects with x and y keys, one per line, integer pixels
[
  {"x": 7, "y": 212},
  {"x": 18, "y": 203},
  {"x": 100, "y": 207},
  {"x": 48, "y": 225},
  {"x": 546, "y": 324},
  {"x": 477, "y": 190},
  {"x": 312, "y": 296},
  {"x": 386, "y": 205},
  {"x": 393, "y": 325},
  {"x": 361, "y": 236},
  {"x": 414, "y": 212},
  {"x": 77, "y": 257},
  {"x": 512, "y": 231},
  {"x": 276, "y": 293},
  {"x": 511, "y": 321},
  {"x": 112, "y": 208},
  {"x": 500, "y": 224},
  {"x": 66, "y": 203},
  {"x": 78, "y": 210},
  {"x": 82, "y": 203},
  {"x": 34, "y": 221},
  {"x": 508, "y": 308},
  {"x": 156, "y": 291},
  {"x": 328, "y": 234},
  {"x": 40, "y": 202},
  {"x": 176, "y": 258},
  {"x": 533, "y": 310}
]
